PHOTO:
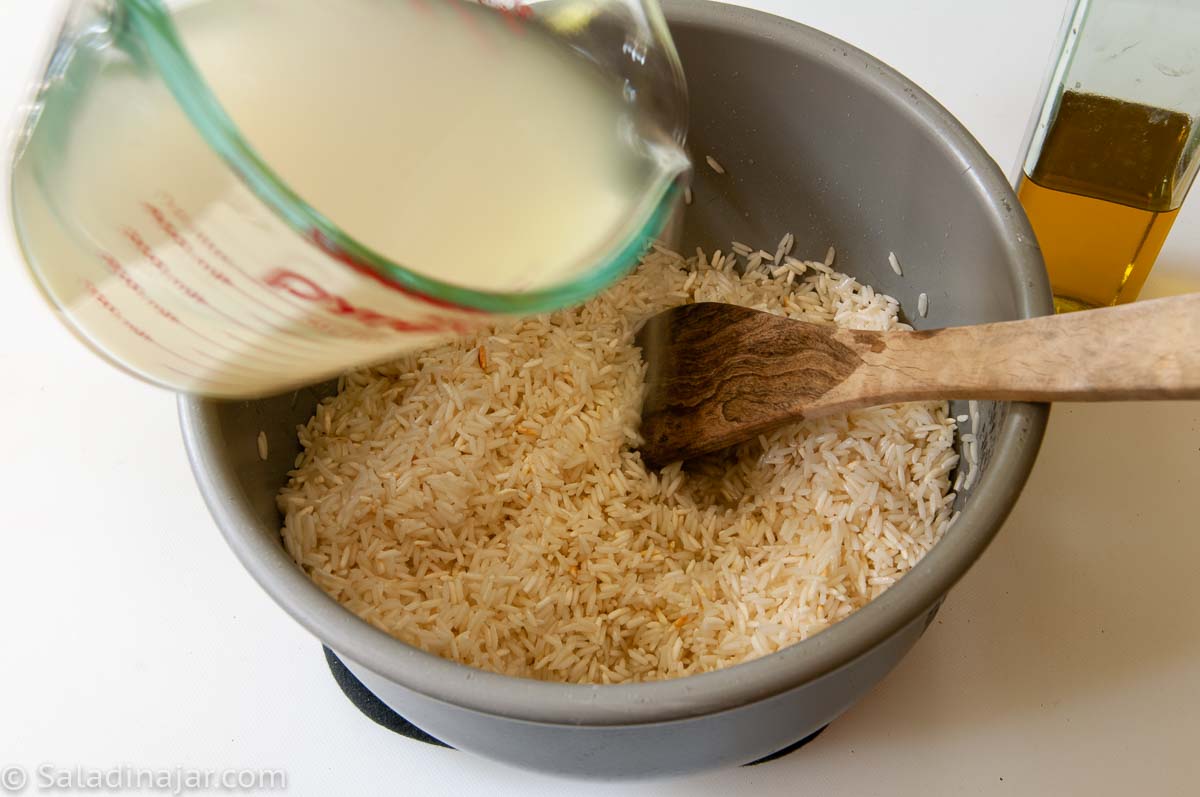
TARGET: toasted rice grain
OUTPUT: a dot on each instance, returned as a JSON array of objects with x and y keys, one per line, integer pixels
[{"x": 499, "y": 514}]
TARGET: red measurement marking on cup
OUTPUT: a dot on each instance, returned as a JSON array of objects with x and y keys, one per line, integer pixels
[
  {"x": 304, "y": 288},
  {"x": 122, "y": 274},
  {"x": 185, "y": 218},
  {"x": 516, "y": 14},
  {"x": 318, "y": 324},
  {"x": 166, "y": 226},
  {"x": 119, "y": 271},
  {"x": 108, "y": 305},
  {"x": 173, "y": 232},
  {"x": 312, "y": 343},
  {"x": 330, "y": 248},
  {"x": 140, "y": 244},
  {"x": 144, "y": 248}
]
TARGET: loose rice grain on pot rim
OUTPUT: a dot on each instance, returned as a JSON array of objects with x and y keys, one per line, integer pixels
[{"x": 485, "y": 501}]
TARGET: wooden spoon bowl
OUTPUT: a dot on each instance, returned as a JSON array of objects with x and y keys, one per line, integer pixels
[{"x": 719, "y": 374}]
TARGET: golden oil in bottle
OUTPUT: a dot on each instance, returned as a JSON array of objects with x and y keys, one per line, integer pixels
[{"x": 1103, "y": 195}]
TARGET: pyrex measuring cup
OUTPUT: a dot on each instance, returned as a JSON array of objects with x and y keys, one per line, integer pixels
[{"x": 171, "y": 243}]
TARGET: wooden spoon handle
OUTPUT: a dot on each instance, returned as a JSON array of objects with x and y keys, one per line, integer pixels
[{"x": 1146, "y": 350}]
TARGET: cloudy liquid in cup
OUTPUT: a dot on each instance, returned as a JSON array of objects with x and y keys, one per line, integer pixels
[{"x": 455, "y": 141}]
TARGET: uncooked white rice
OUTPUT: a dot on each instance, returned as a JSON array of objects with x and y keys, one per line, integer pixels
[
  {"x": 485, "y": 501},
  {"x": 712, "y": 164},
  {"x": 923, "y": 304},
  {"x": 263, "y": 450},
  {"x": 784, "y": 248},
  {"x": 797, "y": 266},
  {"x": 895, "y": 264}
]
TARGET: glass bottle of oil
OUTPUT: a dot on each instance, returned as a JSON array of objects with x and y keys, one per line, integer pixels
[{"x": 1113, "y": 148}]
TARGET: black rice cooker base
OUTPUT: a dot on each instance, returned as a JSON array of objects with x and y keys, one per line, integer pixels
[{"x": 378, "y": 712}]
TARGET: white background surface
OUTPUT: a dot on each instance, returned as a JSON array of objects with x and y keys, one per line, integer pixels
[{"x": 1068, "y": 660}]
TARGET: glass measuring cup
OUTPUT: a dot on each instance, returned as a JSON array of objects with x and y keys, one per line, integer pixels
[{"x": 178, "y": 248}]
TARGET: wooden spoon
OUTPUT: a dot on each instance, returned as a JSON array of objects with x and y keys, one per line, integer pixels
[{"x": 719, "y": 374}]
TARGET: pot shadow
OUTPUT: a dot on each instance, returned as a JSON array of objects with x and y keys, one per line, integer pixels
[{"x": 1089, "y": 591}]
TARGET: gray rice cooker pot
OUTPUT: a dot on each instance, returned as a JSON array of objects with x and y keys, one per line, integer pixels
[{"x": 818, "y": 139}]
